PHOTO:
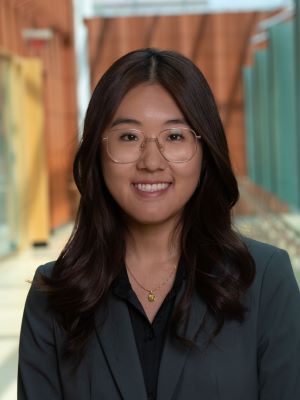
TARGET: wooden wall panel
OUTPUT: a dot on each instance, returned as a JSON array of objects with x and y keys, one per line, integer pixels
[
  {"x": 217, "y": 43},
  {"x": 58, "y": 62}
]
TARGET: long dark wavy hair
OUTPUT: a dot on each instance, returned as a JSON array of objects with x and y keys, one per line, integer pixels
[{"x": 218, "y": 264}]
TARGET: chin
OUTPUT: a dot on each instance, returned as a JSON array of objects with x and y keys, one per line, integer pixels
[{"x": 153, "y": 218}]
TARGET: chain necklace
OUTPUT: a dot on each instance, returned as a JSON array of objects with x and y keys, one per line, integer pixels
[{"x": 151, "y": 293}]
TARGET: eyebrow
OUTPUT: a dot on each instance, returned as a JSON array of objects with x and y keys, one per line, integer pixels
[
  {"x": 176, "y": 121},
  {"x": 120, "y": 121}
]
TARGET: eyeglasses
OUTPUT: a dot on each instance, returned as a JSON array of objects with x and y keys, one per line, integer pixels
[{"x": 176, "y": 145}]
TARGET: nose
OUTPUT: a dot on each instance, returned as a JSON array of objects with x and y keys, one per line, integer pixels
[{"x": 151, "y": 157}]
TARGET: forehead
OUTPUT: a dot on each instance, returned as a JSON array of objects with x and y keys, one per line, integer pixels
[{"x": 148, "y": 101}]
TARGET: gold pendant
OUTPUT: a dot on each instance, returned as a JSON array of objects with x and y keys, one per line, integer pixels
[{"x": 151, "y": 296}]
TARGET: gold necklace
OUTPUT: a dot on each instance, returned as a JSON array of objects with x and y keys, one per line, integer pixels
[{"x": 151, "y": 295}]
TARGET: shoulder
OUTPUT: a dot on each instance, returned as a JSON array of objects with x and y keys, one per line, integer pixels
[
  {"x": 38, "y": 343},
  {"x": 46, "y": 269},
  {"x": 261, "y": 252},
  {"x": 37, "y": 300},
  {"x": 274, "y": 271},
  {"x": 38, "y": 318},
  {"x": 267, "y": 256}
]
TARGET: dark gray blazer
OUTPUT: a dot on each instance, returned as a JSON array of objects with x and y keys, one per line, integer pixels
[{"x": 256, "y": 359}]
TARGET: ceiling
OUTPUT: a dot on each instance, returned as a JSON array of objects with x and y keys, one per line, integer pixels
[{"x": 114, "y": 8}]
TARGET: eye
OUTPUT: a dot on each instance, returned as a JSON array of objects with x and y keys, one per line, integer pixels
[
  {"x": 128, "y": 137},
  {"x": 175, "y": 136}
]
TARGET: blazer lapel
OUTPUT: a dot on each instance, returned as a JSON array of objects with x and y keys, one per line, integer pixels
[
  {"x": 174, "y": 354},
  {"x": 118, "y": 344}
]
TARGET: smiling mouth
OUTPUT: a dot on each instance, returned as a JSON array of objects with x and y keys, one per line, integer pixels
[{"x": 154, "y": 187}]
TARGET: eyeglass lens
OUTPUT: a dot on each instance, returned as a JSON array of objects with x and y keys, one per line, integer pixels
[{"x": 175, "y": 144}]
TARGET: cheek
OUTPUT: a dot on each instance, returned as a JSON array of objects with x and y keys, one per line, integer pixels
[
  {"x": 116, "y": 178},
  {"x": 112, "y": 176},
  {"x": 189, "y": 173},
  {"x": 110, "y": 171}
]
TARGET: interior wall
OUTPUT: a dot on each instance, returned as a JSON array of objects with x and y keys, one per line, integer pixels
[
  {"x": 59, "y": 91},
  {"x": 217, "y": 43}
]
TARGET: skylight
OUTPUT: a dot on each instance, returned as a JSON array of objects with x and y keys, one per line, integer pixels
[{"x": 113, "y": 8}]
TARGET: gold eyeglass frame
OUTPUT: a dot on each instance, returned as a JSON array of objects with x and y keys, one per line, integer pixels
[{"x": 152, "y": 139}]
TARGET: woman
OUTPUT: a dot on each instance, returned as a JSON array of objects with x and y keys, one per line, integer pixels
[{"x": 155, "y": 296}]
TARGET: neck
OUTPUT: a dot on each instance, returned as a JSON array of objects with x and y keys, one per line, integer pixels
[{"x": 151, "y": 246}]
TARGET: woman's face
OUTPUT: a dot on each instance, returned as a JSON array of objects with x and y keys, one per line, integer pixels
[{"x": 150, "y": 108}]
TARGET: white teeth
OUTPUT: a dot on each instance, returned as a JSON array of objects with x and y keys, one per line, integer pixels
[{"x": 151, "y": 188}]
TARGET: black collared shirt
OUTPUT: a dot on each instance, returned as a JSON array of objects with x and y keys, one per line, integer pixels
[{"x": 149, "y": 337}]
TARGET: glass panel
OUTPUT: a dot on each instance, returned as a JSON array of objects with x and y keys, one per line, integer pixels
[
  {"x": 6, "y": 160},
  {"x": 283, "y": 111}
]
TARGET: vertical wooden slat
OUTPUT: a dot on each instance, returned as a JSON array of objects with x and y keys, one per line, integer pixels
[
  {"x": 216, "y": 44},
  {"x": 58, "y": 72}
]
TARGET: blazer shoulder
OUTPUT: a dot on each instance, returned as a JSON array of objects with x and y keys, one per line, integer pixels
[
  {"x": 37, "y": 314},
  {"x": 259, "y": 249},
  {"x": 37, "y": 297},
  {"x": 46, "y": 269},
  {"x": 262, "y": 253},
  {"x": 272, "y": 264},
  {"x": 35, "y": 291}
]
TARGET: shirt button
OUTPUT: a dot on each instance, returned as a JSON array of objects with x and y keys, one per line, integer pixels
[{"x": 149, "y": 336}]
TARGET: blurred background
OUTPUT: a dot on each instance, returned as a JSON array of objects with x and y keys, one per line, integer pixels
[{"x": 52, "y": 53}]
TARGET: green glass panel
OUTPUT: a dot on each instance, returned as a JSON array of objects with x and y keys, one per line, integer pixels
[
  {"x": 265, "y": 137},
  {"x": 7, "y": 187},
  {"x": 297, "y": 77},
  {"x": 258, "y": 142},
  {"x": 272, "y": 126},
  {"x": 262, "y": 120},
  {"x": 283, "y": 111},
  {"x": 249, "y": 119}
]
